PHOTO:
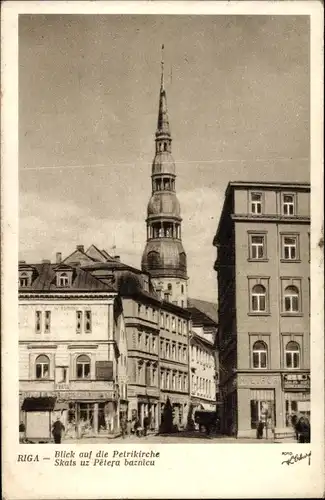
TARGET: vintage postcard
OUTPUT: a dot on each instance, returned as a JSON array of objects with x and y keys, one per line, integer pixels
[{"x": 162, "y": 250}]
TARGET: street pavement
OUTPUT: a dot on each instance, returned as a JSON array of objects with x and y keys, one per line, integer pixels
[{"x": 179, "y": 438}]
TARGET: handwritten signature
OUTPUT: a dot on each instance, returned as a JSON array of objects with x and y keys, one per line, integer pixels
[{"x": 294, "y": 458}]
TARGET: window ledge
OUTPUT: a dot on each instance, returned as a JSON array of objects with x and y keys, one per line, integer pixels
[
  {"x": 259, "y": 314},
  {"x": 291, "y": 261},
  {"x": 292, "y": 314},
  {"x": 257, "y": 260}
]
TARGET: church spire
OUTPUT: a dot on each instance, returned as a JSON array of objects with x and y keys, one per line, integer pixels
[
  {"x": 163, "y": 122},
  {"x": 164, "y": 256}
]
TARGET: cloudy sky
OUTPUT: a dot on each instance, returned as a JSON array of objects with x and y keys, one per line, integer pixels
[{"x": 238, "y": 99}]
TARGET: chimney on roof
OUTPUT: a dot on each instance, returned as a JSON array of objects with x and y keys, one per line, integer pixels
[
  {"x": 81, "y": 248},
  {"x": 117, "y": 257},
  {"x": 58, "y": 258},
  {"x": 46, "y": 261},
  {"x": 21, "y": 262}
]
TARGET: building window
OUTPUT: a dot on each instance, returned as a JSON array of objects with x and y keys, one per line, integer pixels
[
  {"x": 140, "y": 367},
  {"x": 42, "y": 367},
  {"x": 174, "y": 381},
  {"x": 288, "y": 204},
  {"x": 184, "y": 354},
  {"x": 173, "y": 324},
  {"x": 23, "y": 280},
  {"x": 147, "y": 342},
  {"x": 257, "y": 247},
  {"x": 148, "y": 375},
  {"x": 258, "y": 298},
  {"x": 139, "y": 309},
  {"x": 63, "y": 280},
  {"x": 291, "y": 299},
  {"x": 182, "y": 288},
  {"x": 292, "y": 355},
  {"x": 154, "y": 344},
  {"x": 83, "y": 366},
  {"x": 262, "y": 410},
  {"x": 290, "y": 248},
  {"x": 162, "y": 319},
  {"x": 87, "y": 321},
  {"x": 259, "y": 355},
  {"x": 38, "y": 321},
  {"x": 169, "y": 287},
  {"x": 256, "y": 203},
  {"x": 47, "y": 328},
  {"x": 78, "y": 321}
]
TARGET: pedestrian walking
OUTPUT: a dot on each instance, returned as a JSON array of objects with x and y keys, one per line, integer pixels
[
  {"x": 123, "y": 427},
  {"x": 260, "y": 429},
  {"x": 22, "y": 430},
  {"x": 57, "y": 431},
  {"x": 145, "y": 425}
]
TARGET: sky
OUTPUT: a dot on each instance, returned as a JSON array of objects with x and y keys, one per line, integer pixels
[{"x": 238, "y": 100}]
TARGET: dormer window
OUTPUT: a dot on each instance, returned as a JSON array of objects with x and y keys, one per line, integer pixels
[
  {"x": 63, "y": 280},
  {"x": 23, "y": 280}
]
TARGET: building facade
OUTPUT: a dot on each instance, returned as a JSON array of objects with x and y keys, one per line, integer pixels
[
  {"x": 157, "y": 333},
  {"x": 263, "y": 266},
  {"x": 203, "y": 359},
  {"x": 71, "y": 341},
  {"x": 164, "y": 256}
]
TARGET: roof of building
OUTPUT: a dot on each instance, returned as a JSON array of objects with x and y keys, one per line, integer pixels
[
  {"x": 44, "y": 279},
  {"x": 203, "y": 312},
  {"x": 269, "y": 185}
]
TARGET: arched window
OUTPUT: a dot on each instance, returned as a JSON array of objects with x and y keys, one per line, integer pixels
[
  {"x": 291, "y": 299},
  {"x": 42, "y": 367},
  {"x": 23, "y": 280},
  {"x": 292, "y": 355},
  {"x": 63, "y": 279},
  {"x": 83, "y": 366},
  {"x": 165, "y": 146},
  {"x": 258, "y": 298},
  {"x": 259, "y": 355},
  {"x": 169, "y": 287}
]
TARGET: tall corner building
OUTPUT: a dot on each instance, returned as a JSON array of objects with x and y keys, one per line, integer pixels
[
  {"x": 263, "y": 266},
  {"x": 164, "y": 256}
]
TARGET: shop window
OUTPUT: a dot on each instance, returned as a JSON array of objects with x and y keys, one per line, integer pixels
[
  {"x": 258, "y": 299},
  {"x": 288, "y": 204},
  {"x": 291, "y": 410},
  {"x": 262, "y": 411},
  {"x": 256, "y": 203},
  {"x": 259, "y": 355},
  {"x": 291, "y": 299},
  {"x": 292, "y": 355},
  {"x": 42, "y": 365},
  {"x": 83, "y": 366}
]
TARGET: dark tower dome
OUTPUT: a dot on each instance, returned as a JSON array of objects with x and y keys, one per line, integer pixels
[{"x": 164, "y": 204}]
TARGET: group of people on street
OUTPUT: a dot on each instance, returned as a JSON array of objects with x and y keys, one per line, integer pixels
[
  {"x": 302, "y": 428},
  {"x": 134, "y": 427}
]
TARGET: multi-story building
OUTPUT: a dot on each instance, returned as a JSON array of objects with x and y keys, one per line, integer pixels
[
  {"x": 203, "y": 355},
  {"x": 72, "y": 350},
  {"x": 263, "y": 296},
  {"x": 157, "y": 334}
]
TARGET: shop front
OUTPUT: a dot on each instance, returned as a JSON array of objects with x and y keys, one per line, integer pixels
[
  {"x": 296, "y": 389},
  {"x": 83, "y": 413}
]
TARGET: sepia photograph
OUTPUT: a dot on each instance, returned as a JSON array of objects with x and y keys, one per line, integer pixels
[
  {"x": 162, "y": 250},
  {"x": 164, "y": 265}
]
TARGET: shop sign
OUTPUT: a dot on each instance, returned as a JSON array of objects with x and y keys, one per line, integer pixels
[
  {"x": 296, "y": 381},
  {"x": 251, "y": 381},
  {"x": 104, "y": 370}
]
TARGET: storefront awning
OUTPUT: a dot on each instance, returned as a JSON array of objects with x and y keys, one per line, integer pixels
[{"x": 38, "y": 404}]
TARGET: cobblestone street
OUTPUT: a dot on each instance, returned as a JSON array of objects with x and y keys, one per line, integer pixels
[{"x": 179, "y": 438}]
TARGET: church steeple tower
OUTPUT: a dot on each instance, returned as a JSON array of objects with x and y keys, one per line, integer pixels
[{"x": 164, "y": 256}]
